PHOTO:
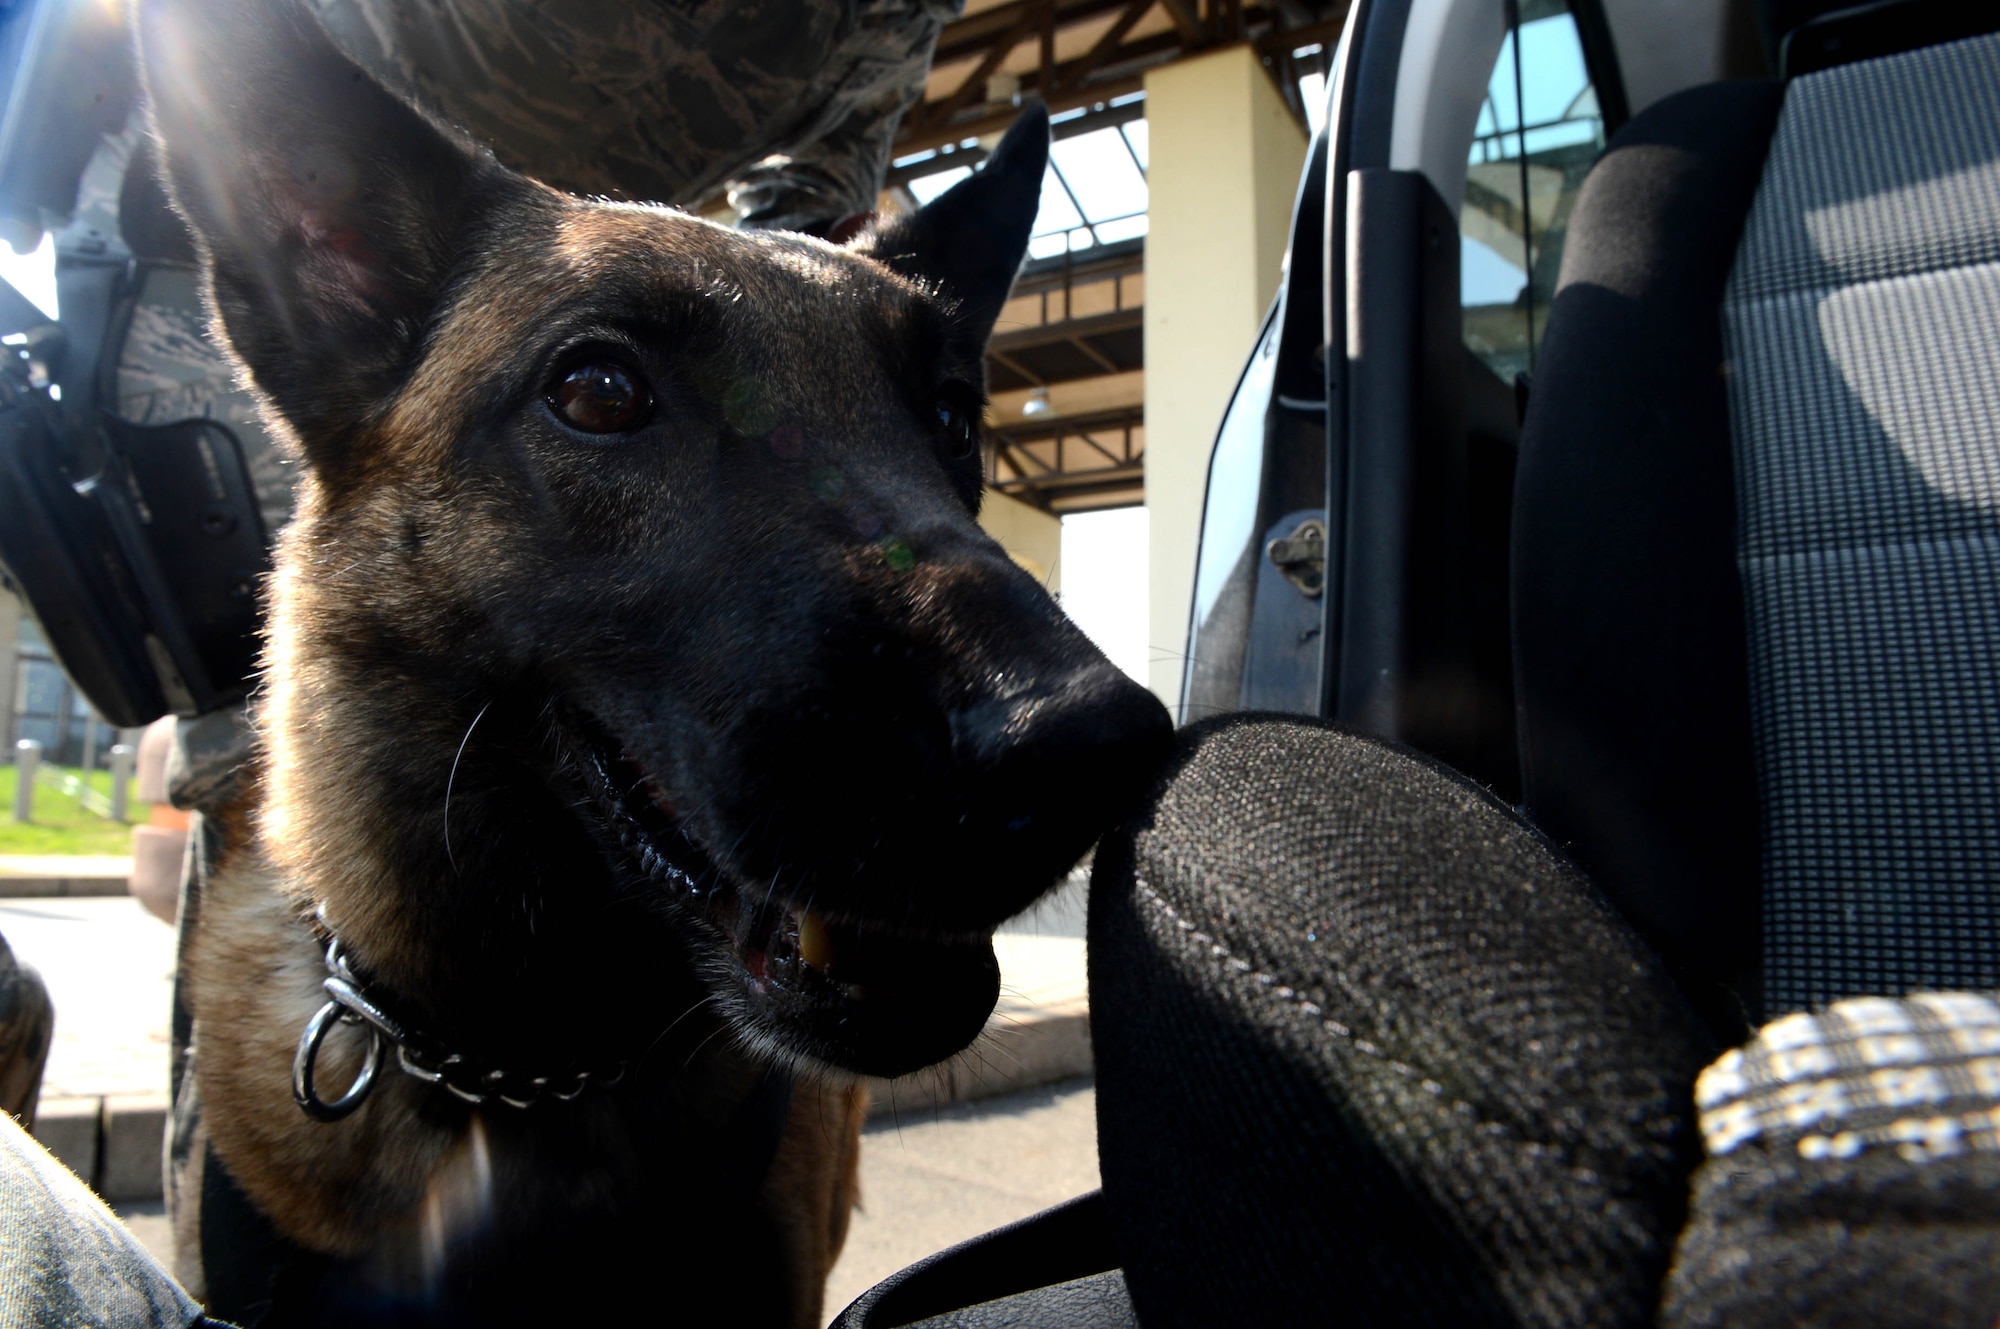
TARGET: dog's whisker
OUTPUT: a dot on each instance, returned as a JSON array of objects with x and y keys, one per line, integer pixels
[
  {"x": 998, "y": 1048},
  {"x": 452, "y": 779},
  {"x": 717, "y": 1032},
  {"x": 660, "y": 1037}
]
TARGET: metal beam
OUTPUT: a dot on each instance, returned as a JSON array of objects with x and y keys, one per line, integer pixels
[
  {"x": 938, "y": 113},
  {"x": 1069, "y": 329},
  {"x": 993, "y": 122},
  {"x": 1103, "y": 117},
  {"x": 1091, "y": 353},
  {"x": 1046, "y": 428},
  {"x": 1078, "y": 70},
  {"x": 966, "y": 37},
  {"x": 1014, "y": 366},
  {"x": 1114, "y": 65},
  {"x": 1117, "y": 259},
  {"x": 1187, "y": 17}
]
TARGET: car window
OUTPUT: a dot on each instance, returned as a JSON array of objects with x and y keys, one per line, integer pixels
[
  {"x": 1538, "y": 133},
  {"x": 1226, "y": 570}
]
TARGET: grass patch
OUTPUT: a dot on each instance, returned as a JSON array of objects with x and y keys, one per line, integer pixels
[{"x": 61, "y": 824}]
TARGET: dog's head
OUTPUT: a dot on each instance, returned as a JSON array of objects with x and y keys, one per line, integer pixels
[{"x": 638, "y": 552}]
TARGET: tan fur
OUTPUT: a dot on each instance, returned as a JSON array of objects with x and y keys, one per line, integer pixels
[
  {"x": 254, "y": 982},
  {"x": 814, "y": 1186}
]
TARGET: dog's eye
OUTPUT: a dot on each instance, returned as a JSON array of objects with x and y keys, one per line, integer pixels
[
  {"x": 601, "y": 397},
  {"x": 960, "y": 437}
]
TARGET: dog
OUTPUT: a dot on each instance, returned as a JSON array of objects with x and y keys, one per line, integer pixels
[{"x": 650, "y": 741}]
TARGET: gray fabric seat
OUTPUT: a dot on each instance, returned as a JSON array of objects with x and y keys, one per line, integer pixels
[{"x": 1863, "y": 329}]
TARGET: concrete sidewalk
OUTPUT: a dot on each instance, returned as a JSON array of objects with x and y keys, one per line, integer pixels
[
  {"x": 32, "y": 876},
  {"x": 109, "y": 969}
]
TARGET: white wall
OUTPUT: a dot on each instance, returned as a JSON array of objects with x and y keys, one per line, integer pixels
[{"x": 1104, "y": 586}]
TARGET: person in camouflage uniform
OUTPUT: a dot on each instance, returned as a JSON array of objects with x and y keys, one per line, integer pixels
[{"x": 790, "y": 106}]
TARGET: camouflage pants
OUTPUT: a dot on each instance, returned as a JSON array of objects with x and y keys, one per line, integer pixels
[{"x": 65, "y": 1259}]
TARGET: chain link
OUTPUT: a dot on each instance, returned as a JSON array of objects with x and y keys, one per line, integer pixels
[{"x": 417, "y": 1055}]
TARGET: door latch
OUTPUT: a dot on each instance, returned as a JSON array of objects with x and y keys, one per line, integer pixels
[{"x": 1301, "y": 556}]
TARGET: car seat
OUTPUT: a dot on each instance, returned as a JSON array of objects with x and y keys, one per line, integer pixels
[{"x": 1375, "y": 1047}]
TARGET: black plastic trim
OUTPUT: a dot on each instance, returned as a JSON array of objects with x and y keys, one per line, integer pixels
[
  {"x": 1600, "y": 62},
  {"x": 1888, "y": 27}
]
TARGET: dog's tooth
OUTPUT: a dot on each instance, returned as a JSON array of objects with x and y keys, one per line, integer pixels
[{"x": 815, "y": 941}]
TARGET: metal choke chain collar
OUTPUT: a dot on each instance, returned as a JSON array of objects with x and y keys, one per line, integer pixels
[{"x": 417, "y": 1054}]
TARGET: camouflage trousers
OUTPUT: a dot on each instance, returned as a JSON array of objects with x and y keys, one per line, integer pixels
[{"x": 65, "y": 1259}]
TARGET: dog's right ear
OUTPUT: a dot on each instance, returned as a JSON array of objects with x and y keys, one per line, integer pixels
[
  {"x": 325, "y": 209},
  {"x": 969, "y": 241}
]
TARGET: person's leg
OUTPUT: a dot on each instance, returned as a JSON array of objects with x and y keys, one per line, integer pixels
[{"x": 65, "y": 1259}]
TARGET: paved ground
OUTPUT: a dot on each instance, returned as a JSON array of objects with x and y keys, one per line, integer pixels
[
  {"x": 109, "y": 968},
  {"x": 932, "y": 1181}
]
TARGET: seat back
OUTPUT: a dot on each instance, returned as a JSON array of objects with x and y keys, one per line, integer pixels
[
  {"x": 1756, "y": 585},
  {"x": 1863, "y": 328},
  {"x": 1630, "y": 670}
]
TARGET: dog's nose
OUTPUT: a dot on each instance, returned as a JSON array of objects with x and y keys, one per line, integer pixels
[{"x": 1037, "y": 758}]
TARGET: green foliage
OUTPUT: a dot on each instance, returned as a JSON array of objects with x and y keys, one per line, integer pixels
[{"x": 62, "y": 825}]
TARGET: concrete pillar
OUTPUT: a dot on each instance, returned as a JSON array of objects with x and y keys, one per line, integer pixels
[
  {"x": 10, "y": 666},
  {"x": 1225, "y": 157},
  {"x": 1032, "y": 537},
  {"x": 27, "y": 760},
  {"x": 121, "y": 781}
]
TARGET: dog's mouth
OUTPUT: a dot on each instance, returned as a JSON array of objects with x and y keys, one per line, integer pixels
[{"x": 801, "y": 981}]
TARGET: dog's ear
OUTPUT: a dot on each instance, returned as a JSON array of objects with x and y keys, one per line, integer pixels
[
  {"x": 970, "y": 239},
  {"x": 325, "y": 210}
]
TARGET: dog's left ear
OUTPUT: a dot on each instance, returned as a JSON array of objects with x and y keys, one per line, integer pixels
[
  {"x": 326, "y": 211},
  {"x": 970, "y": 239}
]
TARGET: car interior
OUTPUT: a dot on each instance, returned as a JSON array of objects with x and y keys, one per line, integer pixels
[{"x": 1672, "y": 545}]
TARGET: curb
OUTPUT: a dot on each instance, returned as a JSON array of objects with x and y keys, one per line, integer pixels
[
  {"x": 43, "y": 888},
  {"x": 1037, "y": 1047},
  {"x": 116, "y": 1142}
]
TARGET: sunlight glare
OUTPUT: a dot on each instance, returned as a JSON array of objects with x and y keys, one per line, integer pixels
[{"x": 34, "y": 274}]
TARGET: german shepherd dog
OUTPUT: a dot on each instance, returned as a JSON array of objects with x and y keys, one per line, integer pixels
[{"x": 650, "y": 739}]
